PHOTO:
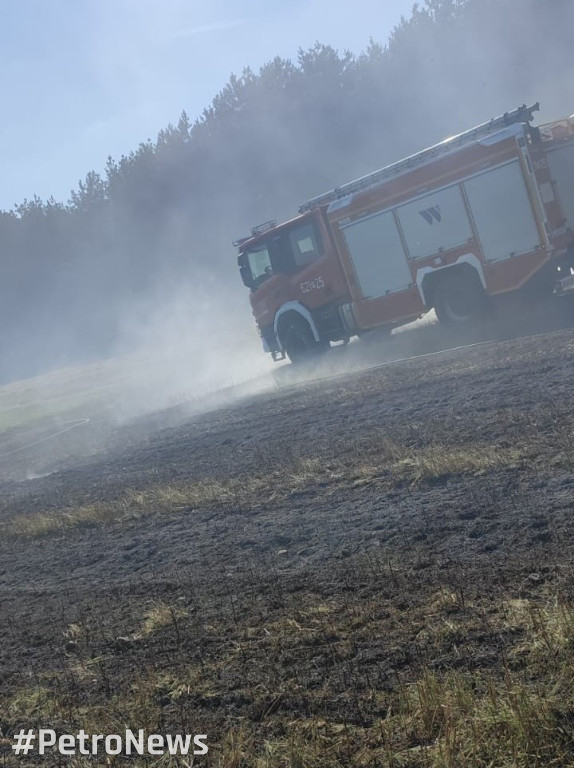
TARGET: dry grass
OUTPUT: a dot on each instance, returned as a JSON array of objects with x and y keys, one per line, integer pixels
[
  {"x": 360, "y": 663},
  {"x": 159, "y": 616},
  {"x": 443, "y": 461},
  {"x": 509, "y": 719},
  {"x": 386, "y": 463}
]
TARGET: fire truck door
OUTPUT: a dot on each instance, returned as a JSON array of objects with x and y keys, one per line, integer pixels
[
  {"x": 435, "y": 223},
  {"x": 502, "y": 212},
  {"x": 378, "y": 256}
]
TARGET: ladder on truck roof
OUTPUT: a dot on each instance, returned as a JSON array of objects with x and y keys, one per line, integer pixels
[{"x": 522, "y": 114}]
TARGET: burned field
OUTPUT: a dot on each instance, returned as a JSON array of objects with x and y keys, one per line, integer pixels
[{"x": 369, "y": 570}]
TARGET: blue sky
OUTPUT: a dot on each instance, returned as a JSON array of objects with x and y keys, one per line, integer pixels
[{"x": 84, "y": 79}]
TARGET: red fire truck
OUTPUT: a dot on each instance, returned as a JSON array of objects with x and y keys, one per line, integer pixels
[{"x": 487, "y": 212}]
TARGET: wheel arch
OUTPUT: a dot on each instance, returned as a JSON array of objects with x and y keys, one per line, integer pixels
[
  {"x": 427, "y": 277},
  {"x": 295, "y": 309}
]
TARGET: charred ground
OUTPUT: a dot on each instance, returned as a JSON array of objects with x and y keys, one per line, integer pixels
[{"x": 373, "y": 569}]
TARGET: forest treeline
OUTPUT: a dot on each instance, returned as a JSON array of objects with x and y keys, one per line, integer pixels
[{"x": 165, "y": 214}]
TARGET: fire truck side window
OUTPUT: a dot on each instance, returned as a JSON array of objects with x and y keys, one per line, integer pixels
[{"x": 304, "y": 245}]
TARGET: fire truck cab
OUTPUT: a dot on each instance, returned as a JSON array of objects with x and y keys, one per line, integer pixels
[{"x": 483, "y": 213}]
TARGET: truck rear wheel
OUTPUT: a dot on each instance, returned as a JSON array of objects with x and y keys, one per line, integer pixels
[
  {"x": 459, "y": 298},
  {"x": 298, "y": 341}
]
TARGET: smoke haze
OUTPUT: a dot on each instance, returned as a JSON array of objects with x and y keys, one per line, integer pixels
[{"x": 141, "y": 258}]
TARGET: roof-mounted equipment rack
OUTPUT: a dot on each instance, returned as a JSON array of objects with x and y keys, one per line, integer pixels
[{"x": 522, "y": 114}]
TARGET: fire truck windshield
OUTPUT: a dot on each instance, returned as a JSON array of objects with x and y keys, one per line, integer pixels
[{"x": 260, "y": 264}]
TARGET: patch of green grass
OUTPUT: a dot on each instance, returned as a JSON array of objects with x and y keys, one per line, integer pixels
[{"x": 25, "y": 415}]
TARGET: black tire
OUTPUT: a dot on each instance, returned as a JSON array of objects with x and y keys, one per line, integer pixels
[
  {"x": 459, "y": 298},
  {"x": 298, "y": 341}
]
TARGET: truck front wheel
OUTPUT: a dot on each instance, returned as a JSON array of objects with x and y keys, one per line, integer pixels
[
  {"x": 298, "y": 341},
  {"x": 459, "y": 298}
]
